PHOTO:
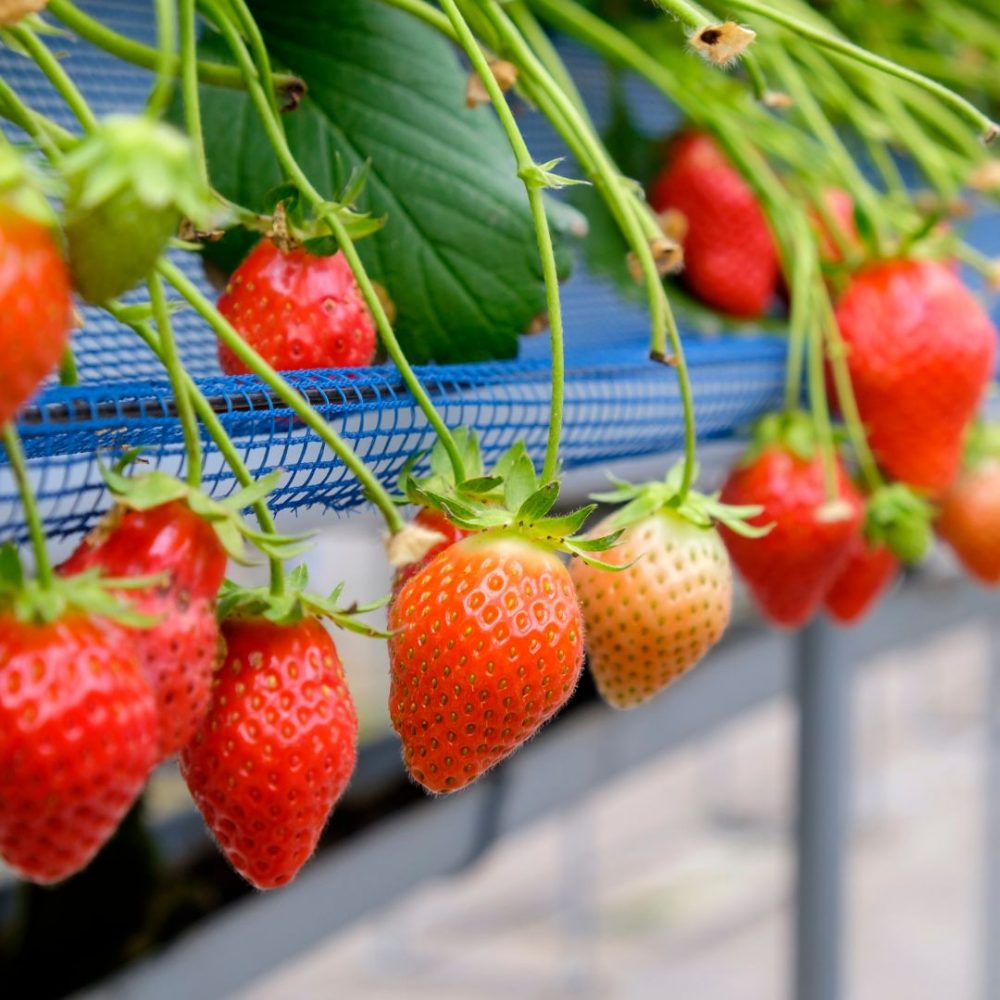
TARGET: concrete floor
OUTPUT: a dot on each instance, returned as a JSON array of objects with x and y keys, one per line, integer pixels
[{"x": 676, "y": 881}]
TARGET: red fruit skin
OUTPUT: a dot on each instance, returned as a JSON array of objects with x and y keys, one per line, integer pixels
[
  {"x": 868, "y": 573},
  {"x": 277, "y": 749},
  {"x": 921, "y": 351},
  {"x": 486, "y": 646},
  {"x": 77, "y": 742},
  {"x": 36, "y": 308},
  {"x": 298, "y": 311},
  {"x": 432, "y": 520},
  {"x": 179, "y": 653},
  {"x": 969, "y": 521},
  {"x": 730, "y": 258},
  {"x": 790, "y": 570}
]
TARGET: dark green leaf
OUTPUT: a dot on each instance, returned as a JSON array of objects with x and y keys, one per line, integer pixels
[{"x": 458, "y": 254}]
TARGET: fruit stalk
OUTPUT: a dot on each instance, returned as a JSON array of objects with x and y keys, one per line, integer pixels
[
  {"x": 172, "y": 362},
  {"x": 138, "y": 54},
  {"x": 216, "y": 431},
  {"x": 373, "y": 488},
  {"x": 43, "y": 58},
  {"x": 166, "y": 38},
  {"x": 633, "y": 218},
  {"x": 189, "y": 83},
  {"x": 276, "y": 136},
  {"x": 526, "y": 169},
  {"x": 36, "y": 530}
]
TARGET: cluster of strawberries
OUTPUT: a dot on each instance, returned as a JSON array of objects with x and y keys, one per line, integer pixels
[
  {"x": 920, "y": 351},
  {"x": 139, "y": 650}
]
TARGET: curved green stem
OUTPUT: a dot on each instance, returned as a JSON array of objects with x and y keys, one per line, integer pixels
[
  {"x": 326, "y": 213},
  {"x": 18, "y": 465},
  {"x": 836, "y": 351},
  {"x": 216, "y": 431},
  {"x": 820, "y": 409},
  {"x": 189, "y": 83},
  {"x": 175, "y": 371},
  {"x": 802, "y": 29},
  {"x": 166, "y": 37},
  {"x": 43, "y": 58},
  {"x": 526, "y": 170},
  {"x": 131, "y": 51},
  {"x": 632, "y": 216},
  {"x": 257, "y": 47},
  {"x": 293, "y": 400}
]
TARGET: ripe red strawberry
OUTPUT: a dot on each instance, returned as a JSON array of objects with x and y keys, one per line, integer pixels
[
  {"x": 730, "y": 258},
  {"x": 790, "y": 570},
  {"x": 487, "y": 645},
  {"x": 297, "y": 310},
  {"x": 651, "y": 622},
  {"x": 868, "y": 573},
  {"x": 969, "y": 520},
  {"x": 178, "y": 654},
  {"x": 36, "y": 309},
  {"x": 921, "y": 351},
  {"x": 77, "y": 741},
  {"x": 277, "y": 749},
  {"x": 431, "y": 520}
]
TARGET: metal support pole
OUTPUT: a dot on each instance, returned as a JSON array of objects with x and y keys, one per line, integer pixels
[
  {"x": 825, "y": 732},
  {"x": 991, "y": 847}
]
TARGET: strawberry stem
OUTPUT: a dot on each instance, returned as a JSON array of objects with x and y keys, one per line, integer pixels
[
  {"x": 15, "y": 455},
  {"x": 274, "y": 129},
  {"x": 633, "y": 216},
  {"x": 525, "y": 166},
  {"x": 375, "y": 491},
  {"x": 166, "y": 38},
  {"x": 217, "y": 432},
  {"x": 43, "y": 58},
  {"x": 172, "y": 362},
  {"x": 138, "y": 54},
  {"x": 189, "y": 83}
]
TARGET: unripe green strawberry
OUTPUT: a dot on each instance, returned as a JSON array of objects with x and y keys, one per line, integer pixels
[
  {"x": 651, "y": 622},
  {"x": 129, "y": 183}
]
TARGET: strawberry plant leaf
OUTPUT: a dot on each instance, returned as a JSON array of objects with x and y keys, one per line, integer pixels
[{"x": 457, "y": 252}]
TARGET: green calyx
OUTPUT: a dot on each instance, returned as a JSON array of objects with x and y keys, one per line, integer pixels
[
  {"x": 128, "y": 185},
  {"x": 700, "y": 509},
  {"x": 88, "y": 592},
  {"x": 152, "y": 489},
  {"x": 511, "y": 497},
  {"x": 792, "y": 430},
  {"x": 296, "y": 222},
  {"x": 131, "y": 153},
  {"x": 296, "y": 603},
  {"x": 982, "y": 444},
  {"x": 897, "y": 517}
]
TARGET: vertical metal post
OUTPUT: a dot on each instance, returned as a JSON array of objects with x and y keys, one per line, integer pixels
[
  {"x": 990, "y": 853},
  {"x": 824, "y": 761}
]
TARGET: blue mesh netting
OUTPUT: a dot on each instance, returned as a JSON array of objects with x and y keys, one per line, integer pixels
[{"x": 617, "y": 403}]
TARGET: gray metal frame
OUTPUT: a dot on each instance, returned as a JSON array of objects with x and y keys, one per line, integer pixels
[{"x": 588, "y": 748}]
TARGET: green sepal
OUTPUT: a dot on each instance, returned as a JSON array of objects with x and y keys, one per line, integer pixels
[
  {"x": 296, "y": 603},
  {"x": 899, "y": 518},
  {"x": 793, "y": 430},
  {"x": 89, "y": 592},
  {"x": 700, "y": 509},
  {"x": 510, "y": 497},
  {"x": 152, "y": 489},
  {"x": 132, "y": 153}
]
